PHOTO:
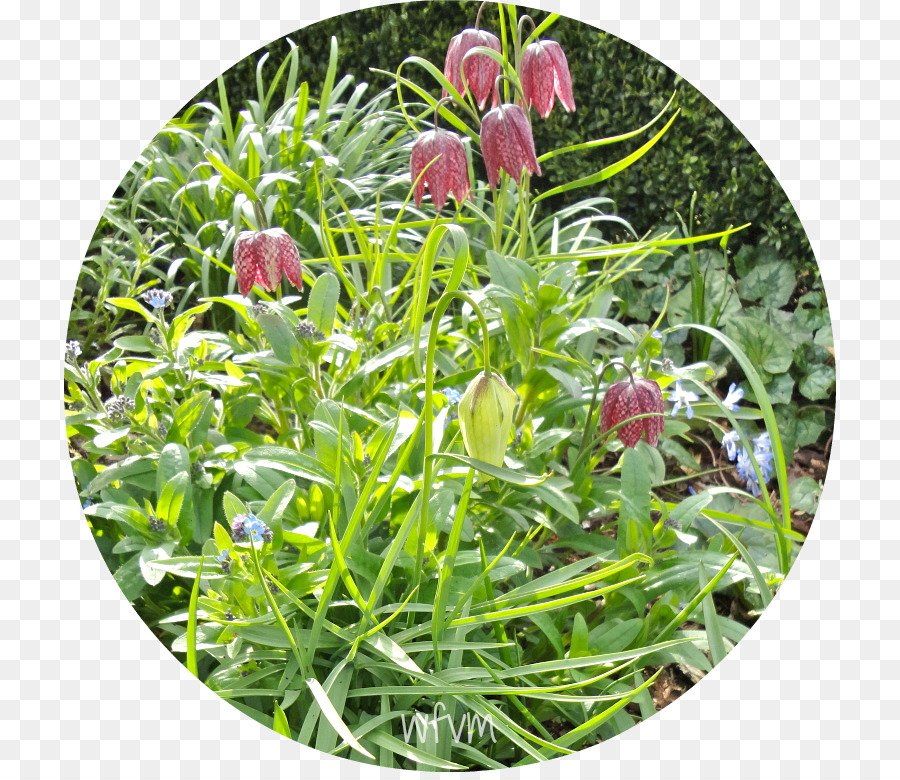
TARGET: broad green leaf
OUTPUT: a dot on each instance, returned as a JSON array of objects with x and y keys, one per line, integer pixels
[
  {"x": 323, "y": 299},
  {"x": 771, "y": 283},
  {"x": 805, "y": 493},
  {"x": 818, "y": 383},
  {"x": 764, "y": 346},
  {"x": 106, "y": 438},
  {"x": 193, "y": 414},
  {"x": 280, "y": 336},
  {"x": 154, "y": 575},
  {"x": 131, "y": 305},
  {"x": 514, "y": 274},
  {"x": 169, "y": 503},
  {"x": 635, "y": 488},
  {"x": 688, "y": 509}
]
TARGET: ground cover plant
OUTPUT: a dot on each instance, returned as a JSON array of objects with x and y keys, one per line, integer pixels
[{"x": 406, "y": 464}]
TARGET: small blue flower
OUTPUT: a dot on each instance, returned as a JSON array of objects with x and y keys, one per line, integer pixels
[
  {"x": 224, "y": 559},
  {"x": 73, "y": 350},
  {"x": 747, "y": 473},
  {"x": 762, "y": 451},
  {"x": 87, "y": 503},
  {"x": 730, "y": 442},
  {"x": 452, "y": 395},
  {"x": 691, "y": 490},
  {"x": 762, "y": 443},
  {"x": 735, "y": 394},
  {"x": 250, "y": 526},
  {"x": 681, "y": 398},
  {"x": 157, "y": 298},
  {"x": 657, "y": 335}
]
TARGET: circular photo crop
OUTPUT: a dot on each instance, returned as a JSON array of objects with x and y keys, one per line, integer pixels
[{"x": 449, "y": 390}]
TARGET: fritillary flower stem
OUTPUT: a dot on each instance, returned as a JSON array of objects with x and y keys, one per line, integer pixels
[
  {"x": 522, "y": 19},
  {"x": 428, "y": 463},
  {"x": 515, "y": 85},
  {"x": 524, "y": 192},
  {"x": 478, "y": 15},
  {"x": 260, "y": 213},
  {"x": 499, "y": 211},
  {"x": 437, "y": 109}
]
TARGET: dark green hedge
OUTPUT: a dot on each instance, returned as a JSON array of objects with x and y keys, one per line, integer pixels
[{"x": 617, "y": 88}]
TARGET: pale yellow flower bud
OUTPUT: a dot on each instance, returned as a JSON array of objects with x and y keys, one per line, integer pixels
[{"x": 486, "y": 417}]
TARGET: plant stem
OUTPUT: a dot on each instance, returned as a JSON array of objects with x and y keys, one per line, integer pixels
[{"x": 428, "y": 465}]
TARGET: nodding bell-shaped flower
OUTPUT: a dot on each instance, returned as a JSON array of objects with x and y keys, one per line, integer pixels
[
  {"x": 479, "y": 70},
  {"x": 448, "y": 173},
  {"x": 629, "y": 398},
  {"x": 486, "y": 417},
  {"x": 507, "y": 143},
  {"x": 260, "y": 256},
  {"x": 545, "y": 73}
]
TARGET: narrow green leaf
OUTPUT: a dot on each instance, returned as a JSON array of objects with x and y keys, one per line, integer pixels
[
  {"x": 192, "y": 623},
  {"x": 333, "y": 718},
  {"x": 711, "y": 620},
  {"x": 280, "y": 723}
]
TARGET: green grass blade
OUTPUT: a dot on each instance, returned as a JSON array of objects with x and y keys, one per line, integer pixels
[
  {"x": 711, "y": 621},
  {"x": 192, "y": 623},
  {"x": 331, "y": 715}
]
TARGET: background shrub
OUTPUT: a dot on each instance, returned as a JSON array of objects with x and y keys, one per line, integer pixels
[{"x": 620, "y": 86}]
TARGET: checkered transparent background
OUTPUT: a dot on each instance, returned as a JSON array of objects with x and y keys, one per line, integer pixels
[{"x": 88, "y": 691}]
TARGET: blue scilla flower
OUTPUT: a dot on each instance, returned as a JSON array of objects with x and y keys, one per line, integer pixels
[
  {"x": 735, "y": 394},
  {"x": 762, "y": 451},
  {"x": 747, "y": 473},
  {"x": 730, "y": 442},
  {"x": 682, "y": 397},
  {"x": 762, "y": 443},
  {"x": 157, "y": 298}
]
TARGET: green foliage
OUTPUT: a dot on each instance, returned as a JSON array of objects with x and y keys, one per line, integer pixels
[{"x": 279, "y": 483}]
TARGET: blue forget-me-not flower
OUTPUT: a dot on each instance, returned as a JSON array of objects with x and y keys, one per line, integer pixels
[
  {"x": 250, "y": 527},
  {"x": 452, "y": 395},
  {"x": 157, "y": 298},
  {"x": 224, "y": 559}
]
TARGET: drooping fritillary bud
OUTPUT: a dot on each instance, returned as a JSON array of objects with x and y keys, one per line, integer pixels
[
  {"x": 486, "y": 417},
  {"x": 448, "y": 173},
  {"x": 507, "y": 143},
  {"x": 545, "y": 73},
  {"x": 629, "y": 398},
  {"x": 261, "y": 256},
  {"x": 480, "y": 70}
]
